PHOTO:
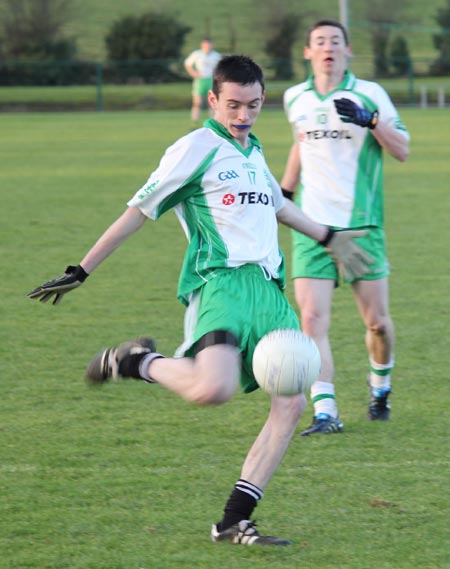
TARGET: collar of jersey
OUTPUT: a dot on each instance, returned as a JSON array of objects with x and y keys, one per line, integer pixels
[
  {"x": 347, "y": 84},
  {"x": 223, "y": 132}
]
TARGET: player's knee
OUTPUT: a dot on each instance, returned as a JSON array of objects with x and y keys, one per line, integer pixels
[
  {"x": 289, "y": 409},
  {"x": 314, "y": 323},
  {"x": 210, "y": 392},
  {"x": 297, "y": 405},
  {"x": 380, "y": 327}
]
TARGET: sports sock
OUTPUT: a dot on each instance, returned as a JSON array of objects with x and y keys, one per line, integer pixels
[
  {"x": 322, "y": 395},
  {"x": 241, "y": 503},
  {"x": 144, "y": 366},
  {"x": 136, "y": 365},
  {"x": 380, "y": 375}
]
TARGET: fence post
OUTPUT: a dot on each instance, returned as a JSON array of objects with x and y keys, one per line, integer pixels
[
  {"x": 441, "y": 97},
  {"x": 99, "y": 75},
  {"x": 411, "y": 82},
  {"x": 423, "y": 97}
]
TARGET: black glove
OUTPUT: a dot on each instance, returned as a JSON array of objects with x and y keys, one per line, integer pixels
[
  {"x": 287, "y": 194},
  {"x": 59, "y": 286},
  {"x": 349, "y": 111}
]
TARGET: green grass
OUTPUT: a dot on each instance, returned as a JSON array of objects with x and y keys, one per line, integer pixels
[{"x": 129, "y": 476}]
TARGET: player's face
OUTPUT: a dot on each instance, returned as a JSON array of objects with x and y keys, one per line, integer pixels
[
  {"x": 206, "y": 46},
  {"x": 237, "y": 107},
  {"x": 327, "y": 51}
]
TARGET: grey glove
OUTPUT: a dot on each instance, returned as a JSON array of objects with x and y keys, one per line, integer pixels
[
  {"x": 59, "y": 286},
  {"x": 352, "y": 261}
]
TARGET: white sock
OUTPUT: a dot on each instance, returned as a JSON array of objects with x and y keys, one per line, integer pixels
[
  {"x": 380, "y": 374},
  {"x": 322, "y": 395}
]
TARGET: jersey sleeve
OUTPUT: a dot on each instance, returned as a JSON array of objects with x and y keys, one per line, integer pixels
[
  {"x": 289, "y": 98},
  {"x": 389, "y": 114},
  {"x": 278, "y": 198},
  {"x": 177, "y": 175},
  {"x": 380, "y": 100}
]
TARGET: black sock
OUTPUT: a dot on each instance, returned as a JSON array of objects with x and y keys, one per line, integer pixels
[
  {"x": 129, "y": 366},
  {"x": 241, "y": 503}
]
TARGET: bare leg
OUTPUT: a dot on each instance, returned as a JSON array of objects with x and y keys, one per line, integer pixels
[
  {"x": 272, "y": 442},
  {"x": 262, "y": 460},
  {"x": 372, "y": 300},
  {"x": 212, "y": 377},
  {"x": 196, "y": 107},
  {"x": 314, "y": 297}
]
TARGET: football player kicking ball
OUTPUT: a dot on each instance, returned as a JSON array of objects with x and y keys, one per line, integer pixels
[{"x": 228, "y": 203}]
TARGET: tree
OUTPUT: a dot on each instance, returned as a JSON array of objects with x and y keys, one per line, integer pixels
[
  {"x": 280, "y": 23},
  {"x": 380, "y": 38},
  {"x": 142, "y": 46},
  {"x": 400, "y": 59},
  {"x": 441, "y": 65},
  {"x": 383, "y": 16},
  {"x": 284, "y": 32},
  {"x": 33, "y": 30},
  {"x": 33, "y": 46}
]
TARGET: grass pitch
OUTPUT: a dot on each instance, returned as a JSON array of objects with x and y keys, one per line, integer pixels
[{"x": 129, "y": 476}]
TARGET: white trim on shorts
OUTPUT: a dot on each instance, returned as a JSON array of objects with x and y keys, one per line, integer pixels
[{"x": 190, "y": 322}]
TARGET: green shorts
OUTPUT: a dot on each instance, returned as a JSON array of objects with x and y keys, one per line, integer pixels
[
  {"x": 245, "y": 303},
  {"x": 202, "y": 86},
  {"x": 310, "y": 260}
]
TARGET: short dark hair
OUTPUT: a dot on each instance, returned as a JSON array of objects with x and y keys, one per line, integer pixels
[
  {"x": 328, "y": 22},
  {"x": 236, "y": 69}
]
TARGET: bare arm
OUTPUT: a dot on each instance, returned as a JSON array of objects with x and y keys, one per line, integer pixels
[
  {"x": 129, "y": 222},
  {"x": 291, "y": 174},
  {"x": 74, "y": 276},
  {"x": 292, "y": 216},
  {"x": 191, "y": 71},
  {"x": 349, "y": 257},
  {"x": 395, "y": 142}
]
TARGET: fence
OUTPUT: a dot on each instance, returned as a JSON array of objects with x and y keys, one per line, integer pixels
[{"x": 413, "y": 87}]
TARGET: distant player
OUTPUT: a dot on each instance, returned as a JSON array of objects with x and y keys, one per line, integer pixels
[
  {"x": 200, "y": 66},
  {"x": 232, "y": 280},
  {"x": 341, "y": 126}
]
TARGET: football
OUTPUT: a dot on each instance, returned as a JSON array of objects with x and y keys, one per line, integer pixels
[{"x": 286, "y": 362}]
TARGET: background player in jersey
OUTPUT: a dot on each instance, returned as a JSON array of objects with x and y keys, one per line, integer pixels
[
  {"x": 341, "y": 125},
  {"x": 228, "y": 203},
  {"x": 200, "y": 66}
]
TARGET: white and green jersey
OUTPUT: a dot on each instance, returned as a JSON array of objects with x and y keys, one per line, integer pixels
[
  {"x": 341, "y": 181},
  {"x": 203, "y": 63},
  {"x": 226, "y": 200}
]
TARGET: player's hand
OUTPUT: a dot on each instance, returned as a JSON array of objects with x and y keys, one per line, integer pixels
[
  {"x": 352, "y": 261},
  {"x": 59, "y": 286},
  {"x": 349, "y": 111}
]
